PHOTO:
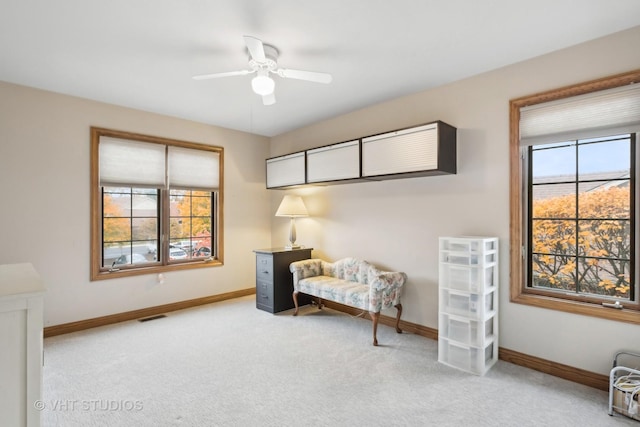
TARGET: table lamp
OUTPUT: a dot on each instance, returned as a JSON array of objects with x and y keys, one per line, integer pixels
[{"x": 292, "y": 207}]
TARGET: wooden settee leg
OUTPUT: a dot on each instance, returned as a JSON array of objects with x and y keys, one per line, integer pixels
[
  {"x": 295, "y": 303},
  {"x": 375, "y": 317},
  {"x": 399, "y": 308}
]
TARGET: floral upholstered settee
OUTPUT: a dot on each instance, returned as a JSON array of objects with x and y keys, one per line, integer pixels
[{"x": 351, "y": 282}]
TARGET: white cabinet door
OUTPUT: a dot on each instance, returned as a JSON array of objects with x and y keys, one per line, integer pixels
[
  {"x": 334, "y": 162},
  {"x": 286, "y": 170},
  {"x": 403, "y": 151}
]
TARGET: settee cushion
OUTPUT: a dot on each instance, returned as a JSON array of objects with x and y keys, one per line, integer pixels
[
  {"x": 348, "y": 281},
  {"x": 342, "y": 291}
]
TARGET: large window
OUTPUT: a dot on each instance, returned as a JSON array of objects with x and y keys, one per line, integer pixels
[
  {"x": 155, "y": 204},
  {"x": 573, "y": 198}
]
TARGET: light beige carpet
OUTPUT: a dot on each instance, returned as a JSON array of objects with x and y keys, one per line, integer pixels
[{"x": 229, "y": 364}]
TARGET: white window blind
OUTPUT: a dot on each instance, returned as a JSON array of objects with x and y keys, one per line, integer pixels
[
  {"x": 607, "y": 112},
  {"x": 131, "y": 163},
  {"x": 193, "y": 169}
]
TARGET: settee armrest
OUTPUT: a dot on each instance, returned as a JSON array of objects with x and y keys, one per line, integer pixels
[
  {"x": 305, "y": 268},
  {"x": 385, "y": 290}
]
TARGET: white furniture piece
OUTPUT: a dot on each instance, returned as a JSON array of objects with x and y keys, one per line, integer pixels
[
  {"x": 468, "y": 303},
  {"x": 418, "y": 151},
  {"x": 334, "y": 162},
  {"x": 286, "y": 171},
  {"x": 21, "y": 325}
]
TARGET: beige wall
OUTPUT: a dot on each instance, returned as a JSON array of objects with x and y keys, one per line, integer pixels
[
  {"x": 396, "y": 224},
  {"x": 44, "y": 213}
]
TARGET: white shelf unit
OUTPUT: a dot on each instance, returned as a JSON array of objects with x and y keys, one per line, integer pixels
[
  {"x": 468, "y": 303},
  {"x": 21, "y": 330}
]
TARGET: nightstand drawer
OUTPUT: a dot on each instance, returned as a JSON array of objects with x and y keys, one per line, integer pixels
[
  {"x": 264, "y": 294},
  {"x": 264, "y": 268}
]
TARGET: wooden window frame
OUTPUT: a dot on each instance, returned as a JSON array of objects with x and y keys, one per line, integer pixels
[
  {"x": 97, "y": 272},
  {"x": 519, "y": 293}
]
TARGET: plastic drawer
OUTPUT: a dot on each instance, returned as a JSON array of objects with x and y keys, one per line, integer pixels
[
  {"x": 465, "y": 331},
  {"x": 465, "y": 278},
  {"x": 467, "y": 258},
  {"x": 468, "y": 244},
  {"x": 476, "y": 360},
  {"x": 472, "y": 306}
]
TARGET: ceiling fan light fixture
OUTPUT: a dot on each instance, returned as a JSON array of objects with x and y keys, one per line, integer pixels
[{"x": 263, "y": 85}]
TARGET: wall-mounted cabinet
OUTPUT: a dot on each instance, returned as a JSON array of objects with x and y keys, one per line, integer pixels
[
  {"x": 286, "y": 171},
  {"x": 334, "y": 162},
  {"x": 405, "y": 153},
  {"x": 419, "y": 151}
]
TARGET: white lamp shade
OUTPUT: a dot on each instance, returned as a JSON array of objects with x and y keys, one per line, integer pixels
[
  {"x": 262, "y": 84},
  {"x": 292, "y": 206}
]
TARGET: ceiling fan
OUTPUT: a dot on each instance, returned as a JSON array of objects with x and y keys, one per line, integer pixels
[{"x": 263, "y": 61}]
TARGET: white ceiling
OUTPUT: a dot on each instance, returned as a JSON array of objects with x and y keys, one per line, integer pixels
[{"x": 143, "y": 53}]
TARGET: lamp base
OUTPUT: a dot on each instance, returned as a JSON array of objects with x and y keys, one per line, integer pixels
[{"x": 292, "y": 246}]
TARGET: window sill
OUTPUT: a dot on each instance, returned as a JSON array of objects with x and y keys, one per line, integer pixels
[
  {"x": 106, "y": 274},
  {"x": 577, "y": 307}
]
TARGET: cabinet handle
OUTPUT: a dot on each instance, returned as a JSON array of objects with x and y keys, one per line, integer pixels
[{"x": 266, "y": 271}]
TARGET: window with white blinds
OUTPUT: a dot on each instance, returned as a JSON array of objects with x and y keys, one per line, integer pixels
[
  {"x": 155, "y": 204},
  {"x": 574, "y": 185}
]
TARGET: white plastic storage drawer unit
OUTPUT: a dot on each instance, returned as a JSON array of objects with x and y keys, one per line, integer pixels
[
  {"x": 468, "y": 303},
  {"x": 477, "y": 360}
]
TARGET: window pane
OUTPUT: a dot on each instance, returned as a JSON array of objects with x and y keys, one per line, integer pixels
[
  {"x": 145, "y": 228},
  {"x": 554, "y": 201},
  {"x": 553, "y": 272},
  {"x": 553, "y": 237},
  {"x": 602, "y": 191},
  {"x": 554, "y": 162},
  {"x": 606, "y": 238},
  {"x": 180, "y": 228},
  {"x": 190, "y": 223},
  {"x": 203, "y": 247},
  {"x": 605, "y": 199},
  {"x": 603, "y": 157},
  {"x": 116, "y": 204},
  {"x": 605, "y": 277},
  {"x": 116, "y": 229}
]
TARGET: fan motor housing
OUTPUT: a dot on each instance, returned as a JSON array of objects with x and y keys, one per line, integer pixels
[{"x": 271, "y": 61}]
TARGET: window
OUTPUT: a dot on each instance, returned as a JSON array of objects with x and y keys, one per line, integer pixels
[
  {"x": 573, "y": 198},
  {"x": 156, "y": 204}
]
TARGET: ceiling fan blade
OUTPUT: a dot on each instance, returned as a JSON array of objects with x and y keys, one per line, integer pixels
[
  {"x": 256, "y": 49},
  {"x": 227, "y": 74},
  {"x": 311, "y": 76},
  {"x": 269, "y": 99}
]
